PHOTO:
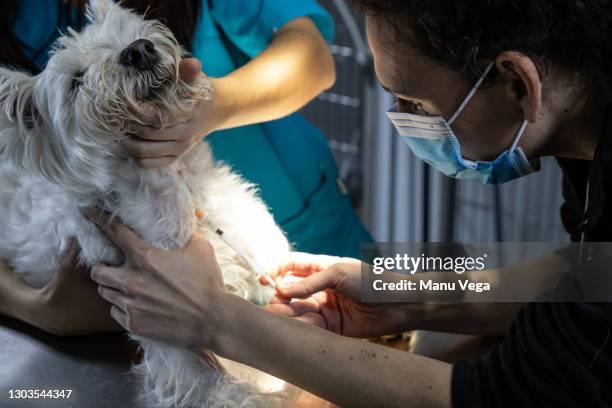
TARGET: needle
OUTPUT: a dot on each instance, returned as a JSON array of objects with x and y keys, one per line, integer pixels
[{"x": 256, "y": 266}]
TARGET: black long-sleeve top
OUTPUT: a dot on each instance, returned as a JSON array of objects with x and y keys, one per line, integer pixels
[{"x": 555, "y": 354}]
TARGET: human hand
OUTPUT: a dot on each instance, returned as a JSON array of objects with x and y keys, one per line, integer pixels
[
  {"x": 170, "y": 296},
  {"x": 68, "y": 305},
  {"x": 328, "y": 295},
  {"x": 154, "y": 148}
]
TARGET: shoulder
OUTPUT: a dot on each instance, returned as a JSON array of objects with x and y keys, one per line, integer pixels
[
  {"x": 265, "y": 17},
  {"x": 37, "y": 28}
]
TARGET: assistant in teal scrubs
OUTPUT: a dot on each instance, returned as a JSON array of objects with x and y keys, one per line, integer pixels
[{"x": 288, "y": 159}]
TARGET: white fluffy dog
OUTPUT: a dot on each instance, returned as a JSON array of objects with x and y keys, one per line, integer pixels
[{"x": 60, "y": 153}]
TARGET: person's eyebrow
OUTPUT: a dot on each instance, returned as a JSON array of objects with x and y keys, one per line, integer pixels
[
  {"x": 394, "y": 93},
  {"x": 401, "y": 94},
  {"x": 388, "y": 90}
]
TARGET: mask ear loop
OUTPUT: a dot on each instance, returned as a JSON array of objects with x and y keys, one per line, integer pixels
[
  {"x": 471, "y": 93},
  {"x": 469, "y": 97},
  {"x": 519, "y": 135}
]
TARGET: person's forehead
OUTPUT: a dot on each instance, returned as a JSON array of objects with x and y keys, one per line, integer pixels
[{"x": 405, "y": 71}]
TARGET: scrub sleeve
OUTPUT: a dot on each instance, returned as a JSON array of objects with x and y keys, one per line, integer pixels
[{"x": 288, "y": 159}]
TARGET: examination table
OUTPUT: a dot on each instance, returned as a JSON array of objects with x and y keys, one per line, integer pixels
[{"x": 96, "y": 368}]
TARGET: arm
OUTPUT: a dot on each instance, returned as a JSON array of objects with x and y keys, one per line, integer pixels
[
  {"x": 68, "y": 305},
  {"x": 565, "y": 340},
  {"x": 523, "y": 282},
  {"x": 295, "y": 68},
  {"x": 346, "y": 371},
  {"x": 193, "y": 309},
  {"x": 17, "y": 299},
  {"x": 423, "y": 310}
]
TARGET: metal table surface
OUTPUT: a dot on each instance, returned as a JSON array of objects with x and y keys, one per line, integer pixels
[{"x": 95, "y": 368}]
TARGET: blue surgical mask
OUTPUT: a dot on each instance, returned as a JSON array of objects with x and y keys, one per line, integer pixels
[{"x": 432, "y": 139}]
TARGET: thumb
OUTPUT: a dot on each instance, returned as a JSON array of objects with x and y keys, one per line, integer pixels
[
  {"x": 190, "y": 69},
  {"x": 310, "y": 285},
  {"x": 70, "y": 260},
  {"x": 70, "y": 269}
]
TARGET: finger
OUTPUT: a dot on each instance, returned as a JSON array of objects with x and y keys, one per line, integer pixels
[
  {"x": 71, "y": 267},
  {"x": 309, "y": 285},
  {"x": 147, "y": 149},
  {"x": 112, "y": 296},
  {"x": 314, "y": 319},
  {"x": 119, "y": 316},
  {"x": 304, "y": 264},
  {"x": 278, "y": 299},
  {"x": 300, "y": 264},
  {"x": 117, "y": 232},
  {"x": 281, "y": 309},
  {"x": 200, "y": 244},
  {"x": 265, "y": 281},
  {"x": 114, "y": 278},
  {"x": 190, "y": 69},
  {"x": 147, "y": 114},
  {"x": 71, "y": 258},
  {"x": 177, "y": 131},
  {"x": 289, "y": 277},
  {"x": 293, "y": 309}
]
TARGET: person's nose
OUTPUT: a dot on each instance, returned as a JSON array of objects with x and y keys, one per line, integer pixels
[{"x": 141, "y": 54}]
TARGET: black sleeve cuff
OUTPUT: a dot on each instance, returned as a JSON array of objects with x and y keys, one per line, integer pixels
[
  {"x": 467, "y": 385},
  {"x": 555, "y": 355}
]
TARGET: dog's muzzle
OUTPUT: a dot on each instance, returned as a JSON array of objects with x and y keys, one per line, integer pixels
[{"x": 140, "y": 55}]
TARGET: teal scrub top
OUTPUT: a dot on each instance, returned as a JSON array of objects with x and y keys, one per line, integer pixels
[{"x": 288, "y": 159}]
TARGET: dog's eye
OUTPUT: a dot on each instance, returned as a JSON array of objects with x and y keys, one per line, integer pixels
[{"x": 77, "y": 80}]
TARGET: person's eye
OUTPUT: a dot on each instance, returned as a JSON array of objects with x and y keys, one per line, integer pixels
[{"x": 412, "y": 107}]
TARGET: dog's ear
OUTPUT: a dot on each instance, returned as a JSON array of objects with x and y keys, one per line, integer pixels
[
  {"x": 29, "y": 139},
  {"x": 97, "y": 10},
  {"x": 17, "y": 100},
  {"x": 26, "y": 139},
  {"x": 20, "y": 119}
]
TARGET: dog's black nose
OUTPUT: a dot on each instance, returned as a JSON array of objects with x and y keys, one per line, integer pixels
[{"x": 140, "y": 54}]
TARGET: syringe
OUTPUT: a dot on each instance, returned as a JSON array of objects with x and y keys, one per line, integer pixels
[{"x": 256, "y": 266}]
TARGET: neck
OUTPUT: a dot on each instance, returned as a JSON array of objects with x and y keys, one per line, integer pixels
[
  {"x": 582, "y": 117},
  {"x": 160, "y": 204}
]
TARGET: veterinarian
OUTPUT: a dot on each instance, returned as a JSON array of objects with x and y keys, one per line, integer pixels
[
  {"x": 267, "y": 58},
  {"x": 517, "y": 80}
]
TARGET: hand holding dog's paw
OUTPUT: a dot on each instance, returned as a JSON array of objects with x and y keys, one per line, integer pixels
[
  {"x": 326, "y": 292},
  {"x": 170, "y": 296}
]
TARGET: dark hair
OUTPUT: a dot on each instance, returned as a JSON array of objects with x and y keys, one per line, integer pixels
[
  {"x": 574, "y": 36},
  {"x": 180, "y": 16}
]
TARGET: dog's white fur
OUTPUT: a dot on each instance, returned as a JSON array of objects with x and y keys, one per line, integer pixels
[{"x": 60, "y": 153}]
